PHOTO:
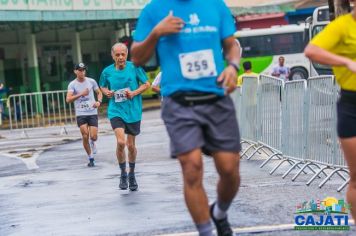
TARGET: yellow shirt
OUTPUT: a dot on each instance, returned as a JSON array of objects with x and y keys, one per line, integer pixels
[
  {"x": 339, "y": 37},
  {"x": 240, "y": 79}
]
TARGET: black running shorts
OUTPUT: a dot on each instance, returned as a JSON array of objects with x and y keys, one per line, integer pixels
[
  {"x": 346, "y": 114},
  {"x": 130, "y": 128},
  {"x": 91, "y": 120}
]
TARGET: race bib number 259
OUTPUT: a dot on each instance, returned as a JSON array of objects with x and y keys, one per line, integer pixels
[{"x": 198, "y": 64}]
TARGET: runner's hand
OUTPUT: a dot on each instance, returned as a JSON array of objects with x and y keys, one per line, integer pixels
[
  {"x": 169, "y": 25},
  {"x": 228, "y": 79},
  {"x": 96, "y": 104},
  {"x": 109, "y": 94},
  {"x": 130, "y": 94},
  {"x": 351, "y": 65},
  {"x": 85, "y": 92}
]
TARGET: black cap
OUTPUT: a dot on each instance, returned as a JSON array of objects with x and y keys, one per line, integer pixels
[{"x": 80, "y": 65}]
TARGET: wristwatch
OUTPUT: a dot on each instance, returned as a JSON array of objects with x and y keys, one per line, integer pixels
[{"x": 235, "y": 65}]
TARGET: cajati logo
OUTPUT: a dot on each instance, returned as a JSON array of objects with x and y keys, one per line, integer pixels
[{"x": 327, "y": 214}]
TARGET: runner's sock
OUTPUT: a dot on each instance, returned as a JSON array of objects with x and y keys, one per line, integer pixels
[
  {"x": 220, "y": 210},
  {"x": 91, "y": 159},
  {"x": 132, "y": 167},
  {"x": 123, "y": 167},
  {"x": 205, "y": 229},
  {"x": 93, "y": 146}
]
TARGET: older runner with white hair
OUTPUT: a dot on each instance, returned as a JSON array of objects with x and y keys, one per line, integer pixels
[{"x": 123, "y": 83}]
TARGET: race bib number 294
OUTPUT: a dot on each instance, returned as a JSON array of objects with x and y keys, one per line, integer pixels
[
  {"x": 198, "y": 64},
  {"x": 120, "y": 95}
]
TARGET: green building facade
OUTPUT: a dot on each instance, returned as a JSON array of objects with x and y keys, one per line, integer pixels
[{"x": 42, "y": 39}]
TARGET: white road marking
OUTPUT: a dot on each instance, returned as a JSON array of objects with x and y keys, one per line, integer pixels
[
  {"x": 29, "y": 162},
  {"x": 252, "y": 229}
]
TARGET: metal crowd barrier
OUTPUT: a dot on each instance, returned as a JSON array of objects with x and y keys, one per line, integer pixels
[
  {"x": 248, "y": 111},
  {"x": 270, "y": 108},
  {"x": 236, "y": 98},
  {"x": 293, "y": 122},
  {"x": 40, "y": 109},
  {"x": 249, "y": 95},
  {"x": 3, "y": 102},
  {"x": 269, "y": 120},
  {"x": 322, "y": 137}
]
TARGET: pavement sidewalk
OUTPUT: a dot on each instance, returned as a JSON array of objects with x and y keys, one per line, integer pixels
[{"x": 54, "y": 193}]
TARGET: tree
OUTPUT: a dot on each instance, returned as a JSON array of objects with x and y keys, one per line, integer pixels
[{"x": 338, "y": 7}]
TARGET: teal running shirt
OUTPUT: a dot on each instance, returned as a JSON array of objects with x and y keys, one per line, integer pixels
[{"x": 130, "y": 110}]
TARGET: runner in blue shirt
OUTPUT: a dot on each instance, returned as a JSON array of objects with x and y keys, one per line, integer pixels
[
  {"x": 189, "y": 37},
  {"x": 123, "y": 83}
]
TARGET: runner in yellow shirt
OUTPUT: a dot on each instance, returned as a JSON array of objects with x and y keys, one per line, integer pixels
[{"x": 336, "y": 46}]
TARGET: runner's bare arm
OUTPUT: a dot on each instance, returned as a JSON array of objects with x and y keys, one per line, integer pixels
[
  {"x": 232, "y": 50},
  {"x": 323, "y": 56},
  {"x": 71, "y": 98},
  {"x": 99, "y": 96},
  {"x": 228, "y": 76},
  {"x": 107, "y": 92},
  {"x": 141, "y": 89},
  {"x": 156, "y": 89},
  {"x": 141, "y": 52}
]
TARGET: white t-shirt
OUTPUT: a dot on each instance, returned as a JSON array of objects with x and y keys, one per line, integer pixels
[
  {"x": 282, "y": 71},
  {"x": 84, "y": 106}
]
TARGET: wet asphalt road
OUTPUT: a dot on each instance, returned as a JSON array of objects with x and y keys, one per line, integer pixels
[{"x": 54, "y": 193}]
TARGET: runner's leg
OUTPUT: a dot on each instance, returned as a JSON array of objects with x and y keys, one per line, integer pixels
[
  {"x": 121, "y": 157},
  {"x": 227, "y": 165},
  {"x": 93, "y": 131},
  {"x": 132, "y": 151},
  {"x": 120, "y": 145},
  {"x": 194, "y": 193},
  {"x": 85, "y": 137},
  {"x": 84, "y": 130},
  {"x": 349, "y": 147}
]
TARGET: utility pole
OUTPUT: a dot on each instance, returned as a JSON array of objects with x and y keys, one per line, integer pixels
[{"x": 338, "y": 7}]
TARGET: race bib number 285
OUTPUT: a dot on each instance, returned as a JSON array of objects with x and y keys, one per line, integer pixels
[{"x": 198, "y": 64}]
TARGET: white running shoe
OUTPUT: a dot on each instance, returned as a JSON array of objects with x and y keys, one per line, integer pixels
[{"x": 93, "y": 147}]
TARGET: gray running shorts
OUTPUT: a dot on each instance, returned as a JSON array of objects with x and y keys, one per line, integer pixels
[{"x": 212, "y": 127}]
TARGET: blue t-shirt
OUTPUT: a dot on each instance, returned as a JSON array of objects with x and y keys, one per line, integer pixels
[
  {"x": 130, "y": 110},
  {"x": 192, "y": 59}
]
